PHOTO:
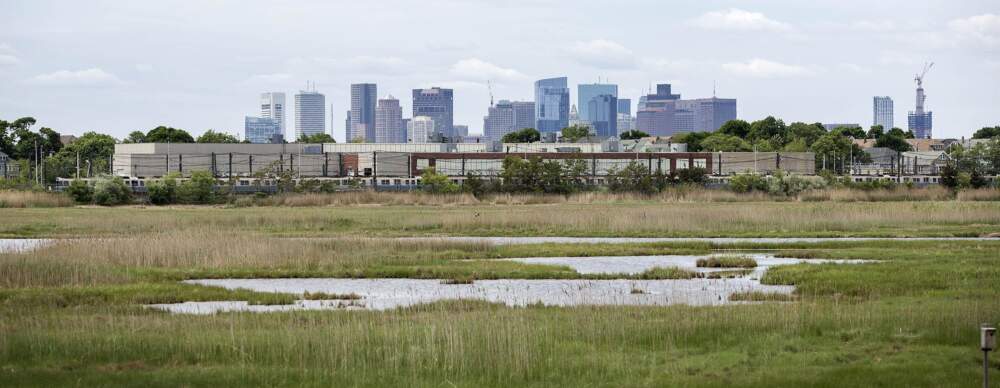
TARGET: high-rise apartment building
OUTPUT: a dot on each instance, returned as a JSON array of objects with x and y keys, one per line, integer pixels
[
  {"x": 587, "y": 92},
  {"x": 602, "y": 113},
  {"x": 262, "y": 130},
  {"x": 362, "y": 113},
  {"x": 439, "y": 105},
  {"x": 551, "y": 104},
  {"x": 310, "y": 113},
  {"x": 420, "y": 129},
  {"x": 524, "y": 114},
  {"x": 389, "y": 121},
  {"x": 272, "y": 106},
  {"x": 921, "y": 122},
  {"x": 624, "y": 106},
  {"x": 707, "y": 114},
  {"x": 882, "y": 112}
]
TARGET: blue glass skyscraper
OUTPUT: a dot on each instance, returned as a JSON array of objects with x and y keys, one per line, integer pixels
[
  {"x": 587, "y": 92},
  {"x": 551, "y": 104},
  {"x": 602, "y": 114}
]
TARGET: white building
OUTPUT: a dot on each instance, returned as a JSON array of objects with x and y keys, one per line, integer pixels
[
  {"x": 272, "y": 106},
  {"x": 389, "y": 121},
  {"x": 310, "y": 113},
  {"x": 882, "y": 112},
  {"x": 420, "y": 129}
]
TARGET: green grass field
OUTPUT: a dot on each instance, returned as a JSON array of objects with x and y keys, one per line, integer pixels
[{"x": 71, "y": 314}]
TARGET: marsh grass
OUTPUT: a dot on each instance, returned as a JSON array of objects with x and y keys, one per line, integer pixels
[
  {"x": 327, "y": 296},
  {"x": 757, "y": 296},
  {"x": 727, "y": 261},
  {"x": 32, "y": 199},
  {"x": 760, "y": 219}
]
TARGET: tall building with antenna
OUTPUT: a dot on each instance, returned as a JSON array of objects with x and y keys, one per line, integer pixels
[
  {"x": 310, "y": 112},
  {"x": 921, "y": 122}
]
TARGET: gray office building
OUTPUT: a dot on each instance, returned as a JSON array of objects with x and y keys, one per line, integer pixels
[
  {"x": 389, "y": 122},
  {"x": 882, "y": 112},
  {"x": 310, "y": 113},
  {"x": 706, "y": 114},
  {"x": 362, "y": 113},
  {"x": 524, "y": 114},
  {"x": 439, "y": 105},
  {"x": 587, "y": 92},
  {"x": 551, "y": 104}
]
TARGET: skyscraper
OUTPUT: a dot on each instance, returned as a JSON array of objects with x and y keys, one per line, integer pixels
[
  {"x": 363, "y": 100},
  {"x": 625, "y": 106},
  {"x": 460, "y": 131},
  {"x": 551, "y": 104},
  {"x": 420, "y": 129},
  {"x": 921, "y": 122},
  {"x": 602, "y": 111},
  {"x": 389, "y": 121},
  {"x": 310, "y": 113},
  {"x": 707, "y": 114},
  {"x": 499, "y": 121},
  {"x": 524, "y": 114},
  {"x": 272, "y": 106},
  {"x": 262, "y": 130},
  {"x": 882, "y": 112},
  {"x": 656, "y": 113},
  {"x": 439, "y": 105},
  {"x": 587, "y": 92}
]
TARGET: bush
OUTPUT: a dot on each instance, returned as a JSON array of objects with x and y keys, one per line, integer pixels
[
  {"x": 163, "y": 192},
  {"x": 432, "y": 182},
  {"x": 80, "y": 191},
  {"x": 746, "y": 183},
  {"x": 110, "y": 191},
  {"x": 693, "y": 175},
  {"x": 199, "y": 189}
]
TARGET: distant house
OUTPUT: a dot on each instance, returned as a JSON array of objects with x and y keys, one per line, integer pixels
[{"x": 924, "y": 162}]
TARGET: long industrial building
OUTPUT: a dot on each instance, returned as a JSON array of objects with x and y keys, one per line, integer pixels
[{"x": 409, "y": 160}]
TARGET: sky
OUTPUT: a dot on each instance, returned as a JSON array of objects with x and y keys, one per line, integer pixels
[{"x": 119, "y": 66}]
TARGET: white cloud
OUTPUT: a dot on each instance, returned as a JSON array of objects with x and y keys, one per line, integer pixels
[
  {"x": 477, "y": 69},
  {"x": 93, "y": 77},
  {"x": 762, "y": 68},
  {"x": 604, "y": 54},
  {"x": 982, "y": 28},
  {"x": 143, "y": 67},
  {"x": 268, "y": 78},
  {"x": 363, "y": 64},
  {"x": 738, "y": 19},
  {"x": 8, "y": 60}
]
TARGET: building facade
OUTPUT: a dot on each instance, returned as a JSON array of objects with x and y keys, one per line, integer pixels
[
  {"x": 602, "y": 113},
  {"x": 262, "y": 130},
  {"x": 439, "y": 105},
  {"x": 921, "y": 122},
  {"x": 882, "y": 112},
  {"x": 524, "y": 114},
  {"x": 272, "y": 106},
  {"x": 587, "y": 92},
  {"x": 460, "y": 132},
  {"x": 421, "y": 129},
  {"x": 310, "y": 113},
  {"x": 625, "y": 106},
  {"x": 362, "y": 113},
  {"x": 499, "y": 121},
  {"x": 551, "y": 104},
  {"x": 389, "y": 121}
]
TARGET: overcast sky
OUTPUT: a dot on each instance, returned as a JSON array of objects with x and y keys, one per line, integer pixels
[{"x": 119, "y": 66}]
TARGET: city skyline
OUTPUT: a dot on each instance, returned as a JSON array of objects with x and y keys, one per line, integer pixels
[{"x": 818, "y": 56}]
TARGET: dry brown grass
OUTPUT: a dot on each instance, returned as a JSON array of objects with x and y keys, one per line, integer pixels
[
  {"x": 979, "y": 195},
  {"x": 355, "y": 198},
  {"x": 23, "y": 199},
  {"x": 934, "y": 193}
]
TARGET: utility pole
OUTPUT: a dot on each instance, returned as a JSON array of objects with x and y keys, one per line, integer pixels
[{"x": 77, "y": 165}]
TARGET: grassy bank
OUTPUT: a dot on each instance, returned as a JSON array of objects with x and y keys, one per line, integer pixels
[
  {"x": 752, "y": 219},
  {"x": 70, "y": 315}
]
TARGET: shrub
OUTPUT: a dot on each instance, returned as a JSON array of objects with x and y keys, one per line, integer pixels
[
  {"x": 80, "y": 191},
  {"x": 199, "y": 189},
  {"x": 727, "y": 262},
  {"x": 110, "y": 191},
  {"x": 746, "y": 183},
  {"x": 693, "y": 175},
  {"x": 163, "y": 192},
  {"x": 433, "y": 182}
]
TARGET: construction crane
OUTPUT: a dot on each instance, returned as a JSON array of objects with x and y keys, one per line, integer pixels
[{"x": 920, "y": 77}]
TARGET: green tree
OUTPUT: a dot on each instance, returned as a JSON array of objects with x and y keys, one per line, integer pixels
[
  {"x": 575, "y": 132},
  {"x": 200, "y": 188},
  {"x": 164, "y": 134},
  {"x": 769, "y": 129},
  {"x": 94, "y": 151},
  {"x": 738, "y": 128},
  {"x": 987, "y": 133},
  {"x": 526, "y": 135},
  {"x": 722, "y": 142},
  {"x": 875, "y": 132},
  {"x": 894, "y": 140},
  {"x": 808, "y": 133},
  {"x": 135, "y": 137},
  {"x": 163, "y": 191},
  {"x": 211, "y": 136},
  {"x": 834, "y": 148},
  {"x": 692, "y": 139},
  {"x": 318, "y": 138},
  {"x": 851, "y": 131},
  {"x": 634, "y": 134}
]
